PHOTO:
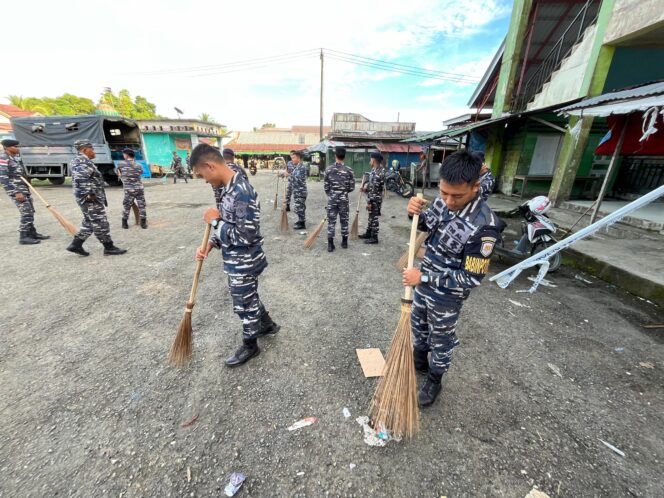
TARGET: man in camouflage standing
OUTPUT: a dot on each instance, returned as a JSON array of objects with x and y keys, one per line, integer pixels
[
  {"x": 374, "y": 189},
  {"x": 130, "y": 173},
  {"x": 88, "y": 186},
  {"x": 237, "y": 234},
  {"x": 338, "y": 183},
  {"x": 287, "y": 173},
  {"x": 11, "y": 171},
  {"x": 297, "y": 181},
  {"x": 178, "y": 170},
  {"x": 229, "y": 158}
]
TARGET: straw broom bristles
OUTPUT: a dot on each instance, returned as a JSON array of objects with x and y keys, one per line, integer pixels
[
  {"x": 283, "y": 225},
  {"x": 66, "y": 224},
  {"x": 137, "y": 214},
  {"x": 181, "y": 349},
  {"x": 311, "y": 240},
  {"x": 276, "y": 196},
  {"x": 355, "y": 228},
  {"x": 403, "y": 260},
  {"x": 394, "y": 405}
]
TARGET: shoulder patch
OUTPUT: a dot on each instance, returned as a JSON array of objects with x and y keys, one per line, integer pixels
[
  {"x": 488, "y": 243},
  {"x": 476, "y": 265}
]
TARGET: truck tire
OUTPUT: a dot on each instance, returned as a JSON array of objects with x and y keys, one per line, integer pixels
[{"x": 57, "y": 181}]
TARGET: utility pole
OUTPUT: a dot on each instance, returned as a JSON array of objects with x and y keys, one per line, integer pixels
[{"x": 321, "y": 94}]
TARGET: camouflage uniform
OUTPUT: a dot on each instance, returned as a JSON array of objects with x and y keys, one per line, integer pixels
[
  {"x": 219, "y": 191},
  {"x": 239, "y": 238},
  {"x": 87, "y": 180},
  {"x": 176, "y": 166},
  {"x": 487, "y": 182},
  {"x": 458, "y": 252},
  {"x": 289, "y": 188},
  {"x": 298, "y": 181},
  {"x": 375, "y": 189},
  {"x": 130, "y": 174},
  {"x": 338, "y": 183},
  {"x": 11, "y": 171}
]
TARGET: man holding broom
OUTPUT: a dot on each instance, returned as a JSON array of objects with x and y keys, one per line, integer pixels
[
  {"x": 229, "y": 158},
  {"x": 237, "y": 233},
  {"x": 130, "y": 173},
  {"x": 462, "y": 234},
  {"x": 374, "y": 189},
  {"x": 297, "y": 184},
  {"x": 338, "y": 183},
  {"x": 11, "y": 171}
]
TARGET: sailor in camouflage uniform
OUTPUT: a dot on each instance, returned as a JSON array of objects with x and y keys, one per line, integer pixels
[
  {"x": 237, "y": 234},
  {"x": 297, "y": 181},
  {"x": 229, "y": 158},
  {"x": 11, "y": 171},
  {"x": 178, "y": 170},
  {"x": 130, "y": 173},
  {"x": 374, "y": 189},
  {"x": 288, "y": 174},
  {"x": 338, "y": 183},
  {"x": 462, "y": 234},
  {"x": 88, "y": 186}
]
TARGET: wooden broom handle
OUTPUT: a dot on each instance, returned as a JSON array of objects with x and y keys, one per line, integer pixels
[
  {"x": 359, "y": 198},
  {"x": 34, "y": 191},
  {"x": 199, "y": 264},
  {"x": 408, "y": 294}
]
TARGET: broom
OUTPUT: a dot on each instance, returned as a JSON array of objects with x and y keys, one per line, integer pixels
[
  {"x": 403, "y": 260},
  {"x": 283, "y": 225},
  {"x": 137, "y": 215},
  {"x": 311, "y": 240},
  {"x": 276, "y": 196},
  {"x": 394, "y": 405},
  {"x": 67, "y": 225},
  {"x": 354, "y": 228},
  {"x": 181, "y": 348}
]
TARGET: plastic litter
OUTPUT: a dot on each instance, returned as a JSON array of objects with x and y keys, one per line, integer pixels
[
  {"x": 352, "y": 466},
  {"x": 517, "y": 303},
  {"x": 373, "y": 437},
  {"x": 619, "y": 350},
  {"x": 584, "y": 280},
  {"x": 647, "y": 364},
  {"x": 234, "y": 484},
  {"x": 554, "y": 369},
  {"x": 613, "y": 448},
  {"x": 544, "y": 282},
  {"x": 303, "y": 423},
  {"x": 346, "y": 412}
]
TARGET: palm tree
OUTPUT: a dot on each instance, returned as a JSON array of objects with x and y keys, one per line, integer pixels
[
  {"x": 17, "y": 100},
  {"x": 206, "y": 117},
  {"x": 29, "y": 104}
]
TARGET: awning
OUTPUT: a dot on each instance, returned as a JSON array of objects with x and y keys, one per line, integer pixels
[
  {"x": 632, "y": 96},
  {"x": 624, "y": 107},
  {"x": 455, "y": 132},
  {"x": 400, "y": 148}
]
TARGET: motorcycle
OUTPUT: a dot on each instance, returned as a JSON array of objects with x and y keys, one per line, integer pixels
[
  {"x": 395, "y": 183},
  {"x": 253, "y": 168},
  {"x": 536, "y": 232}
]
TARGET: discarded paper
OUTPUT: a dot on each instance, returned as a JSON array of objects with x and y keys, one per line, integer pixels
[
  {"x": 372, "y": 361},
  {"x": 373, "y": 437},
  {"x": 613, "y": 448},
  {"x": 646, "y": 364},
  {"x": 234, "y": 484},
  {"x": 303, "y": 423},
  {"x": 536, "y": 493},
  {"x": 554, "y": 369},
  {"x": 346, "y": 412}
]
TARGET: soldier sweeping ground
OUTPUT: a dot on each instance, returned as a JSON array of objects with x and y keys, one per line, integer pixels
[
  {"x": 339, "y": 182},
  {"x": 91, "y": 198},
  {"x": 374, "y": 189},
  {"x": 11, "y": 171},
  {"x": 237, "y": 234},
  {"x": 229, "y": 157},
  {"x": 462, "y": 234},
  {"x": 178, "y": 170},
  {"x": 130, "y": 173},
  {"x": 297, "y": 184}
]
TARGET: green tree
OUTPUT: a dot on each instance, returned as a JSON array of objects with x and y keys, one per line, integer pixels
[
  {"x": 206, "y": 117},
  {"x": 139, "y": 108},
  {"x": 268, "y": 125}
]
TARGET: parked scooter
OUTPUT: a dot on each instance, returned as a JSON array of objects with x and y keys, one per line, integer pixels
[
  {"x": 536, "y": 232},
  {"x": 253, "y": 168},
  {"x": 395, "y": 183}
]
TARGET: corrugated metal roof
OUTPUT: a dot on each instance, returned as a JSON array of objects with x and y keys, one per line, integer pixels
[
  {"x": 455, "y": 132},
  {"x": 631, "y": 93}
]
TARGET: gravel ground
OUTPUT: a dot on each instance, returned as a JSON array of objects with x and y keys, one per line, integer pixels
[{"x": 90, "y": 407}]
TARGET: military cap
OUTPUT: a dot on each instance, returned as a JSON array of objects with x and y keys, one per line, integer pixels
[
  {"x": 82, "y": 144},
  {"x": 129, "y": 152},
  {"x": 377, "y": 155},
  {"x": 228, "y": 152},
  {"x": 8, "y": 142}
]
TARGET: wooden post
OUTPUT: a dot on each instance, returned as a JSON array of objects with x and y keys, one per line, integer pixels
[{"x": 609, "y": 171}]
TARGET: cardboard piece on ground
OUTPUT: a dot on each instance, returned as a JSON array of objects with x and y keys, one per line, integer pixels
[{"x": 372, "y": 361}]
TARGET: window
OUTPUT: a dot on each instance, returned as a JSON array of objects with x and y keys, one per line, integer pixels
[
  {"x": 71, "y": 127},
  {"x": 115, "y": 132},
  {"x": 301, "y": 140}
]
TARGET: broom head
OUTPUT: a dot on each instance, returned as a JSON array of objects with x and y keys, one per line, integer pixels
[
  {"x": 276, "y": 200},
  {"x": 66, "y": 224},
  {"x": 137, "y": 214},
  {"x": 182, "y": 346},
  {"x": 394, "y": 405},
  {"x": 311, "y": 240},
  {"x": 403, "y": 260},
  {"x": 283, "y": 225},
  {"x": 354, "y": 228}
]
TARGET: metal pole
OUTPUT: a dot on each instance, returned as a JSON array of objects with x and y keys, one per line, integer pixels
[
  {"x": 321, "y": 94},
  {"x": 609, "y": 172}
]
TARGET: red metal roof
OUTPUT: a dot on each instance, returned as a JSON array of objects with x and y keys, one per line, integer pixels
[
  {"x": 281, "y": 148},
  {"x": 14, "y": 112},
  {"x": 416, "y": 149}
]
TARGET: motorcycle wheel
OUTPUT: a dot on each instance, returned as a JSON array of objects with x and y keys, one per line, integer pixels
[
  {"x": 391, "y": 185},
  {"x": 555, "y": 262},
  {"x": 407, "y": 190}
]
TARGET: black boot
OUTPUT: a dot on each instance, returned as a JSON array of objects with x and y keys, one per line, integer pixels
[
  {"x": 36, "y": 235},
  {"x": 365, "y": 235},
  {"x": 429, "y": 390},
  {"x": 344, "y": 242},
  {"x": 330, "y": 245},
  {"x": 111, "y": 250},
  {"x": 246, "y": 352},
  {"x": 125, "y": 225},
  {"x": 299, "y": 225},
  {"x": 373, "y": 239},
  {"x": 25, "y": 238},
  {"x": 288, "y": 207},
  {"x": 421, "y": 359},
  {"x": 268, "y": 327},
  {"x": 76, "y": 246},
  {"x": 144, "y": 223}
]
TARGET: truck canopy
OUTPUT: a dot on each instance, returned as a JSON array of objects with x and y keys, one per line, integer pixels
[{"x": 65, "y": 130}]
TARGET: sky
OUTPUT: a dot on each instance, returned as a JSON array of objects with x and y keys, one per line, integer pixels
[{"x": 185, "y": 54}]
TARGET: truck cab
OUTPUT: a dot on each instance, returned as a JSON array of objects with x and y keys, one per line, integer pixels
[{"x": 47, "y": 143}]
